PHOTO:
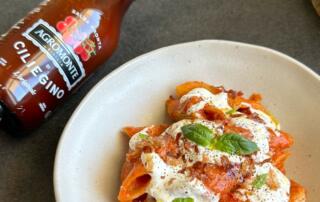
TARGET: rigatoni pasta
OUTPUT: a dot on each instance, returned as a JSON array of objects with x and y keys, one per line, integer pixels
[{"x": 223, "y": 147}]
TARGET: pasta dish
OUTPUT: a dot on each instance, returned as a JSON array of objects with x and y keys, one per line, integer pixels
[{"x": 221, "y": 147}]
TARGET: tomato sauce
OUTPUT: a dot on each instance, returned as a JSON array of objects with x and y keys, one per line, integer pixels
[{"x": 49, "y": 53}]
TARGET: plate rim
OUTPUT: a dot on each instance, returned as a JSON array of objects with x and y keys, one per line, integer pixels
[{"x": 59, "y": 153}]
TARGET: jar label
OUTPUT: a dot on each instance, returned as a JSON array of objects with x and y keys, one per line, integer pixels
[{"x": 45, "y": 37}]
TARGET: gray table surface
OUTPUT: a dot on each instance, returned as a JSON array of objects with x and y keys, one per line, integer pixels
[{"x": 290, "y": 26}]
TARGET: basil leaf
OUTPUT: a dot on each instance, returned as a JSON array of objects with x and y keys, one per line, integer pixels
[
  {"x": 183, "y": 200},
  {"x": 260, "y": 181},
  {"x": 143, "y": 136},
  {"x": 198, "y": 133},
  {"x": 231, "y": 111},
  {"x": 235, "y": 144}
]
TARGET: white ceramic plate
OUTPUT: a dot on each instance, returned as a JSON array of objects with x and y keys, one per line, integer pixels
[{"x": 91, "y": 150}]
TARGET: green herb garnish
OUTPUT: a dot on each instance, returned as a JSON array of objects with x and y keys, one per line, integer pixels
[
  {"x": 230, "y": 143},
  {"x": 144, "y": 136},
  {"x": 235, "y": 144},
  {"x": 260, "y": 181},
  {"x": 231, "y": 111},
  {"x": 183, "y": 200},
  {"x": 198, "y": 133}
]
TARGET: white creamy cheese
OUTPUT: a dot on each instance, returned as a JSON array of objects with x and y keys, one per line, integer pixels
[
  {"x": 266, "y": 118},
  {"x": 260, "y": 136},
  {"x": 265, "y": 193},
  {"x": 168, "y": 184},
  {"x": 215, "y": 156},
  {"x": 219, "y": 101},
  {"x": 136, "y": 138},
  {"x": 175, "y": 128}
]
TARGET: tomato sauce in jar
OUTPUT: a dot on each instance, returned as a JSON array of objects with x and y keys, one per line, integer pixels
[{"x": 46, "y": 55}]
